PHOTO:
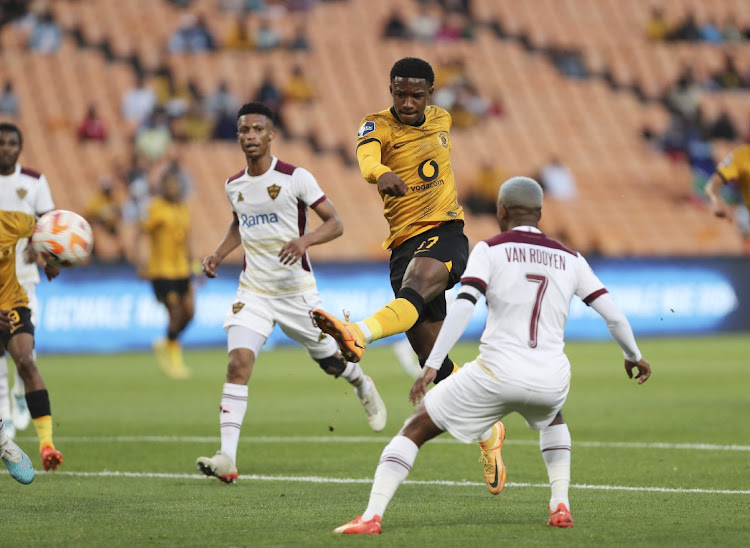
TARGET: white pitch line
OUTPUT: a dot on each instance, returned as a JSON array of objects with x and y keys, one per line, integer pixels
[
  {"x": 321, "y": 479},
  {"x": 378, "y": 439}
]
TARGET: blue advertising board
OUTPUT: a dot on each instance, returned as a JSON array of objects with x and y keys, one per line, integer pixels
[{"x": 108, "y": 309}]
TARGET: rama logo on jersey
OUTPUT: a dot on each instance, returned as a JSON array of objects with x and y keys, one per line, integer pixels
[{"x": 259, "y": 219}]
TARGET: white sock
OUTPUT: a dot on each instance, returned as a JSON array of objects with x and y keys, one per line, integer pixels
[
  {"x": 554, "y": 441},
  {"x": 353, "y": 374},
  {"x": 231, "y": 412},
  {"x": 395, "y": 464},
  {"x": 19, "y": 388},
  {"x": 3, "y": 437},
  {"x": 365, "y": 331},
  {"x": 4, "y": 389}
]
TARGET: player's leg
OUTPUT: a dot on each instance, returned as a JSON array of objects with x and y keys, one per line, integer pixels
[
  {"x": 243, "y": 345},
  {"x": 20, "y": 410},
  {"x": 294, "y": 316},
  {"x": 18, "y": 463},
  {"x": 161, "y": 290},
  {"x": 181, "y": 308},
  {"x": 5, "y": 411},
  {"x": 20, "y": 347},
  {"x": 394, "y": 466}
]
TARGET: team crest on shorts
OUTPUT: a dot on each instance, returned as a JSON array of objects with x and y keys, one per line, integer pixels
[
  {"x": 273, "y": 191},
  {"x": 442, "y": 138},
  {"x": 21, "y": 192},
  {"x": 236, "y": 307}
]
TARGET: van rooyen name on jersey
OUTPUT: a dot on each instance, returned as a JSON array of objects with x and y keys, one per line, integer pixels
[
  {"x": 260, "y": 219},
  {"x": 533, "y": 255}
]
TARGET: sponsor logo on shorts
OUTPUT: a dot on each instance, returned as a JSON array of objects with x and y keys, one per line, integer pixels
[{"x": 236, "y": 307}]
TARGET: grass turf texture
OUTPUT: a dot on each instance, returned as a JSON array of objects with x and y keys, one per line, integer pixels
[{"x": 697, "y": 394}]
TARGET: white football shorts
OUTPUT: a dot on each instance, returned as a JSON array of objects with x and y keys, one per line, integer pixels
[
  {"x": 30, "y": 289},
  {"x": 470, "y": 401},
  {"x": 259, "y": 313}
]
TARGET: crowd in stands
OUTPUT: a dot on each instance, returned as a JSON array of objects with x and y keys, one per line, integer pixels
[{"x": 688, "y": 29}]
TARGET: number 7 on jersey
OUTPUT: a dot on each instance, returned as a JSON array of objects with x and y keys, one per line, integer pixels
[{"x": 537, "y": 310}]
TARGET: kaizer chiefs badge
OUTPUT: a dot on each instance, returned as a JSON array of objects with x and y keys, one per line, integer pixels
[
  {"x": 442, "y": 138},
  {"x": 236, "y": 307},
  {"x": 273, "y": 191},
  {"x": 21, "y": 192}
]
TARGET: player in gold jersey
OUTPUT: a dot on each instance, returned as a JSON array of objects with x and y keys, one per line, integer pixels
[
  {"x": 17, "y": 331},
  {"x": 167, "y": 226},
  {"x": 735, "y": 168},
  {"x": 405, "y": 151}
]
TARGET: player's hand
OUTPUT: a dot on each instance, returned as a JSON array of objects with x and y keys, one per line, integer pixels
[
  {"x": 210, "y": 264},
  {"x": 644, "y": 370},
  {"x": 29, "y": 255},
  {"x": 391, "y": 184},
  {"x": 51, "y": 271},
  {"x": 4, "y": 320},
  {"x": 292, "y": 251},
  {"x": 419, "y": 389}
]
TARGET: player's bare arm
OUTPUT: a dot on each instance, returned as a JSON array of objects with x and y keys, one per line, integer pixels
[
  {"x": 331, "y": 229},
  {"x": 229, "y": 243},
  {"x": 643, "y": 367},
  {"x": 4, "y": 320},
  {"x": 713, "y": 192},
  {"x": 391, "y": 184}
]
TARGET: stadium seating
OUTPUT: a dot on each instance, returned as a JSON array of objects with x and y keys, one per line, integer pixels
[{"x": 632, "y": 199}]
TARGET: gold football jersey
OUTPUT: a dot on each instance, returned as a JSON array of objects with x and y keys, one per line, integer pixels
[
  {"x": 167, "y": 225},
  {"x": 420, "y": 156},
  {"x": 736, "y": 167},
  {"x": 14, "y": 225}
]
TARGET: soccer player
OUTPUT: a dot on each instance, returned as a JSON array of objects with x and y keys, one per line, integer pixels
[
  {"x": 270, "y": 199},
  {"x": 735, "y": 168},
  {"x": 17, "y": 331},
  {"x": 21, "y": 189},
  {"x": 405, "y": 151},
  {"x": 167, "y": 225},
  {"x": 529, "y": 281}
]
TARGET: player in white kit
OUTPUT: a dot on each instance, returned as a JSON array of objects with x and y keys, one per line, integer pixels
[
  {"x": 529, "y": 281},
  {"x": 270, "y": 199},
  {"x": 21, "y": 189}
]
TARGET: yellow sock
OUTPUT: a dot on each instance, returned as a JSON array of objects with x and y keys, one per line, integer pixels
[
  {"x": 175, "y": 354},
  {"x": 493, "y": 436},
  {"x": 455, "y": 368},
  {"x": 397, "y": 316},
  {"x": 43, "y": 427}
]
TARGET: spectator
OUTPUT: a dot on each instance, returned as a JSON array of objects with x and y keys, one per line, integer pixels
[
  {"x": 558, "y": 181},
  {"x": 46, "y": 35},
  {"x": 238, "y": 36},
  {"x": 299, "y": 87},
  {"x": 569, "y": 62},
  {"x": 225, "y": 127},
  {"x": 688, "y": 30},
  {"x": 138, "y": 102},
  {"x": 424, "y": 25},
  {"x": 395, "y": 25},
  {"x": 173, "y": 168},
  {"x": 657, "y": 28},
  {"x": 270, "y": 94},
  {"x": 192, "y": 36},
  {"x": 194, "y": 125},
  {"x": 154, "y": 138},
  {"x": 9, "y": 100},
  {"x": 454, "y": 27},
  {"x": 300, "y": 41},
  {"x": 268, "y": 37},
  {"x": 729, "y": 76},
  {"x": 92, "y": 127},
  {"x": 221, "y": 102},
  {"x": 103, "y": 211},
  {"x": 11, "y": 10},
  {"x": 730, "y": 31},
  {"x": 710, "y": 32},
  {"x": 135, "y": 177},
  {"x": 684, "y": 96},
  {"x": 723, "y": 127},
  {"x": 482, "y": 200}
]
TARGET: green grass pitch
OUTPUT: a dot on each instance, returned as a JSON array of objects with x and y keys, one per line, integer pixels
[{"x": 666, "y": 463}]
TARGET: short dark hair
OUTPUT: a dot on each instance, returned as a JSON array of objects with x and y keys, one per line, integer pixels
[
  {"x": 255, "y": 107},
  {"x": 7, "y": 126},
  {"x": 412, "y": 67}
]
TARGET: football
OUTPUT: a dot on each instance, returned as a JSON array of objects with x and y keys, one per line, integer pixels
[{"x": 63, "y": 238}]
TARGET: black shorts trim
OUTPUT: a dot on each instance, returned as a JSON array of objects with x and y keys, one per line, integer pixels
[
  {"x": 20, "y": 322},
  {"x": 165, "y": 289},
  {"x": 446, "y": 243}
]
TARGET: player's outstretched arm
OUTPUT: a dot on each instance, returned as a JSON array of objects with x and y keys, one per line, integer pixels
[
  {"x": 331, "y": 229},
  {"x": 230, "y": 242},
  {"x": 622, "y": 333},
  {"x": 713, "y": 192},
  {"x": 369, "y": 157}
]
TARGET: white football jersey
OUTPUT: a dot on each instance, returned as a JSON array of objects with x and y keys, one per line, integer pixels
[
  {"x": 25, "y": 190},
  {"x": 529, "y": 281},
  {"x": 272, "y": 210}
]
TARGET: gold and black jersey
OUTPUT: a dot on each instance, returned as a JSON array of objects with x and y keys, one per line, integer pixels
[
  {"x": 736, "y": 167},
  {"x": 420, "y": 156},
  {"x": 14, "y": 225},
  {"x": 167, "y": 226}
]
